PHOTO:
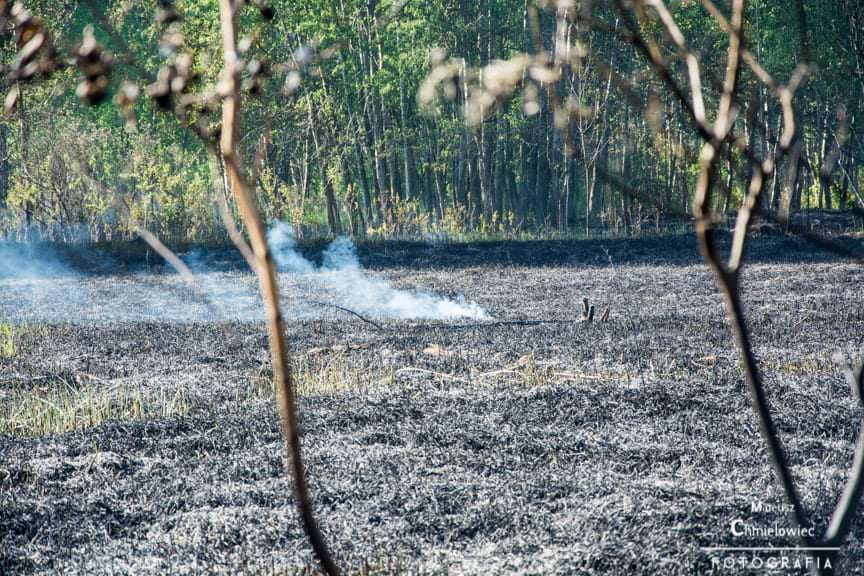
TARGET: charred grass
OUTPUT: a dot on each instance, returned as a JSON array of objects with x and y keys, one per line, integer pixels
[{"x": 532, "y": 443}]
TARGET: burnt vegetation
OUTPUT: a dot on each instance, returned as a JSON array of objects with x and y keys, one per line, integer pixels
[
  {"x": 600, "y": 405},
  {"x": 500, "y": 445}
]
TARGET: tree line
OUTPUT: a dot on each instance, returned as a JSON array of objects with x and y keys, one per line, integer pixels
[{"x": 348, "y": 139}]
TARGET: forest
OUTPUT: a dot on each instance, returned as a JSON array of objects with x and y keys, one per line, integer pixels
[{"x": 359, "y": 148}]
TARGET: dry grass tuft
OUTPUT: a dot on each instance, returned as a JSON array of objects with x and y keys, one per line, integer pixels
[
  {"x": 9, "y": 336},
  {"x": 323, "y": 375},
  {"x": 64, "y": 407}
]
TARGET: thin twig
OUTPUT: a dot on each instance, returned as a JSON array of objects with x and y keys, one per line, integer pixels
[
  {"x": 221, "y": 189},
  {"x": 160, "y": 248},
  {"x": 841, "y": 520},
  {"x": 266, "y": 271},
  {"x": 349, "y": 311}
]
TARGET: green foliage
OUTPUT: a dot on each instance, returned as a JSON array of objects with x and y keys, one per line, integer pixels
[{"x": 354, "y": 128}]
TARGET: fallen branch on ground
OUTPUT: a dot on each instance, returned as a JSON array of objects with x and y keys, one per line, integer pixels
[{"x": 349, "y": 311}]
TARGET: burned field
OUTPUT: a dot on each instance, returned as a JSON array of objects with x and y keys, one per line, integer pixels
[{"x": 139, "y": 433}]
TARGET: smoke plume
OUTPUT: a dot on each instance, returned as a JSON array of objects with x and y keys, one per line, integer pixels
[
  {"x": 281, "y": 240},
  {"x": 30, "y": 261},
  {"x": 38, "y": 284},
  {"x": 344, "y": 282}
]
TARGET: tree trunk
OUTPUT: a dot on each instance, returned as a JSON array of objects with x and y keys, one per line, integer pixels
[
  {"x": 333, "y": 220},
  {"x": 408, "y": 177},
  {"x": 541, "y": 182},
  {"x": 4, "y": 166},
  {"x": 598, "y": 182}
]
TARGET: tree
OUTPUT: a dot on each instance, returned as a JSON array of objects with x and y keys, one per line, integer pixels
[
  {"x": 37, "y": 59},
  {"x": 651, "y": 31}
]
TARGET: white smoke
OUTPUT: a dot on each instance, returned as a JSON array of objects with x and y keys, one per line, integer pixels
[
  {"x": 340, "y": 255},
  {"x": 226, "y": 296},
  {"x": 38, "y": 284},
  {"x": 347, "y": 284},
  {"x": 281, "y": 240},
  {"x": 30, "y": 261}
]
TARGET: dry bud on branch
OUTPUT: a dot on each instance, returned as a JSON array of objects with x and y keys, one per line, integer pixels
[
  {"x": 498, "y": 82},
  {"x": 95, "y": 64},
  {"x": 265, "y": 9},
  {"x": 125, "y": 100},
  {"x": 444, "y": 75},
  {"x": 36, "y": 54},
  {"x": 256, "y": 73},
  {"x": 173, "y": 79},
  {"x": 295, "y": 70},
  {"x": 167, "y": 16}
]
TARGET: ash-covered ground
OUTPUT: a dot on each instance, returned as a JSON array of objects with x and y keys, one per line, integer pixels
[{"x": 512, "y": 440}]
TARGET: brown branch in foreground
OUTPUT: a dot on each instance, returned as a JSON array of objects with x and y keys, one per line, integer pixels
[
  {"x": 171, "y": 257},
  {"x": 266, "y": 272},
  {"x": 160, "y": 248},
  {"x": 841, "y": 520},
  {"x": 221, "y": 188},
  {"x": 728, "y": 278},
  {"x": 746, "y": 55},
  {"x": 728, "y": 275},
  {"x": 693, "y": 74}
]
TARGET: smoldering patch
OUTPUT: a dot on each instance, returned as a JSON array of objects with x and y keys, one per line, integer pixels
[
  {"x": 38, "y": 285},
  {"x": 344, "y": 282}
]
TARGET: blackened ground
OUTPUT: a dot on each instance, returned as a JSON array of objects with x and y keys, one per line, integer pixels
[{"x": 529, "y": 444}]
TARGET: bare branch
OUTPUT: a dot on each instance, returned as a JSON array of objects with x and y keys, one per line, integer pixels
[
  {"x": 745, "y": 214},
  {"x": 349, "y": 311},
  {"x": 746, "y": 55},
  {"x": 844, "y": 513},
  {"x": 693, "y": 73},
  {"x": 167, "y": 254},
  {"x": 723, "y": 123},
  {"x": 266, "y": 271},
  {"x": 727, "y": 279},
  {"x": 220, "y": 184}
]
